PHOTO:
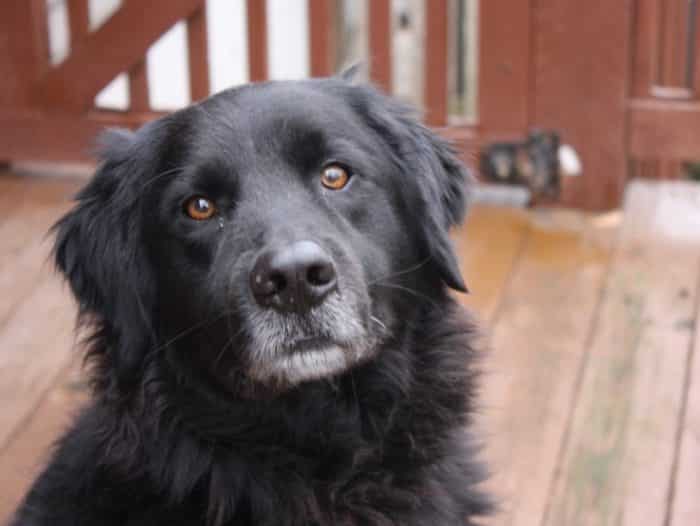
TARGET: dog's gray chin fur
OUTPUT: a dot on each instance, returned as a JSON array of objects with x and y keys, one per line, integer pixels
[
  {"x": 276, "y": 356},
  {"x": 296, "y": 367}
]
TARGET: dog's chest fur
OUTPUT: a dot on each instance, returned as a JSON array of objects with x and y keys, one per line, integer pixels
[{"x": 385, "y": 447}]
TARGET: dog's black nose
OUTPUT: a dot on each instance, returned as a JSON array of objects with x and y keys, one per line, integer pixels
[{"x": 293, "y": 278}]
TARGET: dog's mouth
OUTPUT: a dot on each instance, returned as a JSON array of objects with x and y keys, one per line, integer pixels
[
  {"x": 288, "y": 350},
  {"x": 307, "y": 359},
  {"x": 308, "y": 343}
]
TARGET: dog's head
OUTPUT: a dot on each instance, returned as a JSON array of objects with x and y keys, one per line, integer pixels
[{"x": 271, "y": 235}]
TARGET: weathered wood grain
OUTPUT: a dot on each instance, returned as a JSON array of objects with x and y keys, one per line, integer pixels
[
  {"x": 36, "y": 345},
  {"x": 537, "y": 350},
  {"x": 618, "y": 461},
  {"x": 488, "y": 246},
  {"x": 685, "y": 509},
  {"x": 24, "y": 456},
  {"x": 36, "y": 323},
  {"x": 32, "y": 206},
  {"x": 36, "y": 312}
]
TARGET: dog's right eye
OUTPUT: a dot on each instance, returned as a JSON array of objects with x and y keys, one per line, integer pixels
[
  {"x": 334, "y": 177},
  {"x": 199, "y": 208}
]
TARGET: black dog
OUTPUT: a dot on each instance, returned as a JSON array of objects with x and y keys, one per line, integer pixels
[{"x": 273, "y": 342}]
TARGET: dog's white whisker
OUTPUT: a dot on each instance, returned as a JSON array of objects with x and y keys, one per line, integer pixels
[
  {"x": 378, "y": 322},
  {"x": 408, "y": 270}
]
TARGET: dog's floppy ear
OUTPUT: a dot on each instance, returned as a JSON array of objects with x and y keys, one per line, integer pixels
[
  {"x": 430, "y": 162},
  {"x": 443, "y": 181},
  {"x": 99, "y": 251}
]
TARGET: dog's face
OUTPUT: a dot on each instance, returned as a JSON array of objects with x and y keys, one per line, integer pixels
[{"x": 272, "y": 235}]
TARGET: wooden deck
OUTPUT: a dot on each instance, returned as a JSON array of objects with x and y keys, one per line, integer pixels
[{"x": 591, "y": 397}]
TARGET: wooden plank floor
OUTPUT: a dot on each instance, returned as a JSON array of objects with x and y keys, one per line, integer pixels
[{"x": 590, "y": 411}]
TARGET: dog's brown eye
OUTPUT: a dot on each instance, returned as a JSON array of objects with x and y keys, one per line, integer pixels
[
  {"x": 334, "y": 177},
  {"x": 199, "y": 208}
]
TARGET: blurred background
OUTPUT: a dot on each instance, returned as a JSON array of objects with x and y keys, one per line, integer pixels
[{"x": 582, "y": 247}]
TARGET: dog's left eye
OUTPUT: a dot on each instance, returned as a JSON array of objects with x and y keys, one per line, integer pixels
[
  {"x": 334, "y": 177},
  {"x": 199, "y": 208}
]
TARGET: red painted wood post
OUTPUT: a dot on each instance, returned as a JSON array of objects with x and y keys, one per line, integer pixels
[
  {"x": 198, "y": 54},
  {"x": 25, "y": 51},
  {"x": 380, "y": 43},
  {"x": 78, "y": 21},
  {"x": 582, "y": 96},
  {"x": 435, "y": 75},
  {"x": 257, "y": 40},
  {"x": 138, "y": 87},
  {"x": 321, "y": 37},
  {"x": 505, "y": 68}
]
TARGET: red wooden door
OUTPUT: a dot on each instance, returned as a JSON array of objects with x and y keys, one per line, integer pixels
[
  {"x": 664, "y": 104},
  {"x": 618, "y": 79}
]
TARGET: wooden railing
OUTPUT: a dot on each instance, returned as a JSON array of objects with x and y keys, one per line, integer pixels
[
  {"x": 619, "y": 80},
  {"x": 48, "y": 112}
]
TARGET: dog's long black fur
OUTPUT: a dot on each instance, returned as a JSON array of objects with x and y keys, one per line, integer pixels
[{"x": 183, "y": 428}]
